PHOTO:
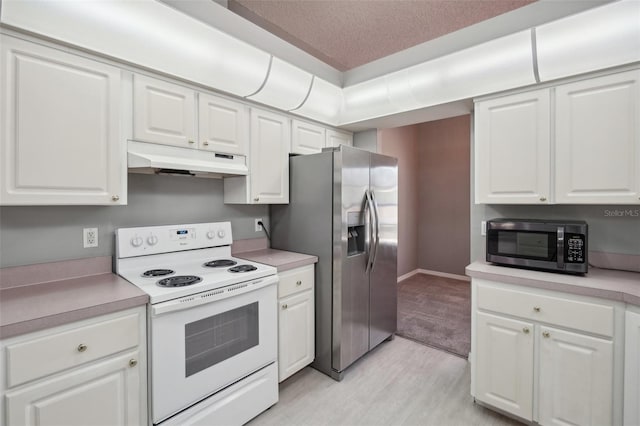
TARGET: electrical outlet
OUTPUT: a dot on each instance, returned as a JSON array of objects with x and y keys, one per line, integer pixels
[
  {"x": 483, "y": 228},
  {"x": 258, "y": 226},
  {"x": 90, "y": 237}
]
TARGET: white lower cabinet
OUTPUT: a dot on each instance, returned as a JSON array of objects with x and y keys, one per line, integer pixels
[
  {"x": 88, "y": 373},
  {"x": 632, "y": 368},
  {"x": 296, "y": 325},
  {"x": 527, "y": 363}
]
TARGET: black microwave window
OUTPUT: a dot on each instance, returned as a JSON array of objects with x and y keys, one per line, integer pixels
[{"x": 523, "y": 244}]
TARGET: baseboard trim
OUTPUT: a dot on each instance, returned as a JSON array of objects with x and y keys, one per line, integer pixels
[
  {"x": 408, "y": 275},
  {"x": 443, "y": 274}
]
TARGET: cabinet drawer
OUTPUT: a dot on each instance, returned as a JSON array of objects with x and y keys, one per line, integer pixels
[
  {"x": 579, "y": 315},
  {"x": 295, "y": 280},
  {"x": 56, "y": 352}
]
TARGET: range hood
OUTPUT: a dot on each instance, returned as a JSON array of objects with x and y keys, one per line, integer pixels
[{"x": 145, "y": 157}]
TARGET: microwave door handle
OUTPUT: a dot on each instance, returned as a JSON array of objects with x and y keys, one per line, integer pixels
[{"x": 560, "y": 246}]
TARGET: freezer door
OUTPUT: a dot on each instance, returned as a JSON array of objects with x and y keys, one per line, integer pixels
[
  {"x": 383, "y": 276},
  {"x": 350, "y": 280}
]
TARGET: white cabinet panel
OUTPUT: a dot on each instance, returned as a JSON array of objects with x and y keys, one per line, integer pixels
[
  {"x": 335, "y": 138},
  {"x": 598, "y": 140},
  {"x": 296, "y": 347},
  {"x": 223, "y": 125},
  {"x": 106, "y": 393},
  {"x": 163, "y": 112},
  {"x": 306, "y": 138},
  {"x": 512, "y": 149},
  {"x": 504, "y": 370},
  {"x": 575, "y": 379},
  {"x": 632, "y": 369},
  {"x": 60, "y": 121}
]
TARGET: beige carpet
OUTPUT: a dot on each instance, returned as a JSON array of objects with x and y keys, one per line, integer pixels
[{"x": 436, "y": 311}]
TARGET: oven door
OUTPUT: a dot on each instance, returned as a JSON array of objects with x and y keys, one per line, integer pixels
[{"x": 207, "y": 341}]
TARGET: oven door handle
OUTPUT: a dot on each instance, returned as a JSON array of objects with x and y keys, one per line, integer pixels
[{"x": 212, "y": 295}]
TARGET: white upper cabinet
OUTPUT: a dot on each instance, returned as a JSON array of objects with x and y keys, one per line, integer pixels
[
  {"x": 512, "y": 143},
  {"x": 223, "y": 125},
  {"x": 60, "y": 123},
  {"x": 171, "y": 114},
  {"x": 268, "y": 179},
  {"x": 598, "y": 140},
  {"x": 575, "y": 143},
  {"x": 335, "y": 138},
  {"x": 163, "y": 112},
  {"x": 306, "y": 138}
]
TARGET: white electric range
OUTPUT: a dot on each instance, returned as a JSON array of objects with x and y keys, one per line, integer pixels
[{"x": 212, "y": 323}]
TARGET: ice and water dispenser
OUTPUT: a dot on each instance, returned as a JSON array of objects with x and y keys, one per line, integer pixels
[{"x": 355, "y": 233}]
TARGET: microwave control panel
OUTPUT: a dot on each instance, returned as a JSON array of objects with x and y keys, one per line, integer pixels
[{"x": 574, "y": 250}]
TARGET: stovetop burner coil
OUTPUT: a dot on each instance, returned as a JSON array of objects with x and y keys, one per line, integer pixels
[
  {"x": 157, "y": 272},
  {"x": 220, "y": 263},
  {"x": 179, "y": 281},
  {"x": 243, "y": 268}
]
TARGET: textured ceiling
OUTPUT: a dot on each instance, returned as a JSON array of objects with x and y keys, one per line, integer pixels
[{"x": 348, "y": 33}]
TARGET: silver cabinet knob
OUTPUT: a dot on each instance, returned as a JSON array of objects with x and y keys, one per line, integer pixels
[
  {"x": 525, "y": 330},
  {"x": 543, "y": 199},
  {"x": 192, "y": 142},
  {"x": 205, "y": 143},
  {"x": 82, "y": 347},
  {"x": 298, "y": 282},
  {"x": 133, "y": 362},
  {"x": 546, "y": 334},
  {"x": 285, "y": 306},
  {"x": 256, "y": 199},
  {"x": 536, "y": 308},
  {"x": 115, "y": 197}
]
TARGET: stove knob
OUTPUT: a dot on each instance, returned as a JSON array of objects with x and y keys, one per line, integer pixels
[
  {"x": 152, "y": 240},
  {"x": 211, "y": 235},
  {"x": 136, "y": 241},
  {"x": 221, "y": 233}
]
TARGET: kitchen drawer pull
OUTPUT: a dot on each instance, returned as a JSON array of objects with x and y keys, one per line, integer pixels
[
  {"x": 298, "y": 282},
  {"x": 525, "y": 330},
  {"x": 536, "y": 308},
  {"x": 82, "y": 347},
  {"x": 285, "y": 306},
  {"x": 546, "y": 334},
  {"x": 133, "y": 362},
  {"x": 543, "y": 199},
  {"x": 192, "y": 142},
  {"x": 205, "y": 143},
  {"x": 115, "y": 197},
  {"x": 256, "y": 199}
]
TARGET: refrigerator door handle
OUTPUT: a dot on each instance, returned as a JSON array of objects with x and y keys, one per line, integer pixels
[
  {"x": 377, "y": 230},
  {"x": 371, "y": 234}
]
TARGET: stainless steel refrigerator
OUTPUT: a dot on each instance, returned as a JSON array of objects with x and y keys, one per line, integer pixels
[{"x": 343, "y": 208}]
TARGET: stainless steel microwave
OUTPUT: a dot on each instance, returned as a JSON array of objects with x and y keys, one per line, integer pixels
[{"x": 558, "y": 246}]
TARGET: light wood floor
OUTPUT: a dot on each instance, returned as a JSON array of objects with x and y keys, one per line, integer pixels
[{"x": 400, "y": 383}]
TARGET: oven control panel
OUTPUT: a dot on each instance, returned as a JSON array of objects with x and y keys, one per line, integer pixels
[{"x": 165, "y": 239}]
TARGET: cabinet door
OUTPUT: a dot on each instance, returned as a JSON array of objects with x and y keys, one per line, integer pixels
[
  {"x": 632, "y": 369},
  {"x": 105, "y": 393},
  {"x": 575, "y": 379},
  {"x": 306, "y": 138},
  {"x": 296, "y": 347},
  {"x": 60, "y": 124},
  {"x": 163, "y": 112},
  {"x": 598, "y": 140},
  {"x": 512, "y": 149},
  {"x": 338, "y": 138},
  {"x": 223, "y": 125},
  {"x": 504, "y": 364},
  {"x": 270, "y": 145}
]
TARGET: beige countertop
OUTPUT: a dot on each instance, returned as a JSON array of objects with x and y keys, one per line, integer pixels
[
  {"x": 282, "y": 260},
  {"x": 90, "y": 289},
  {"x": 604, "y": 283}
]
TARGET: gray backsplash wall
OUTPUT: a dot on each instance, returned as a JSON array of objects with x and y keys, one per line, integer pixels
[
  {"x": 612, "y": 228},
  {"x": 50, "y": 233}
]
